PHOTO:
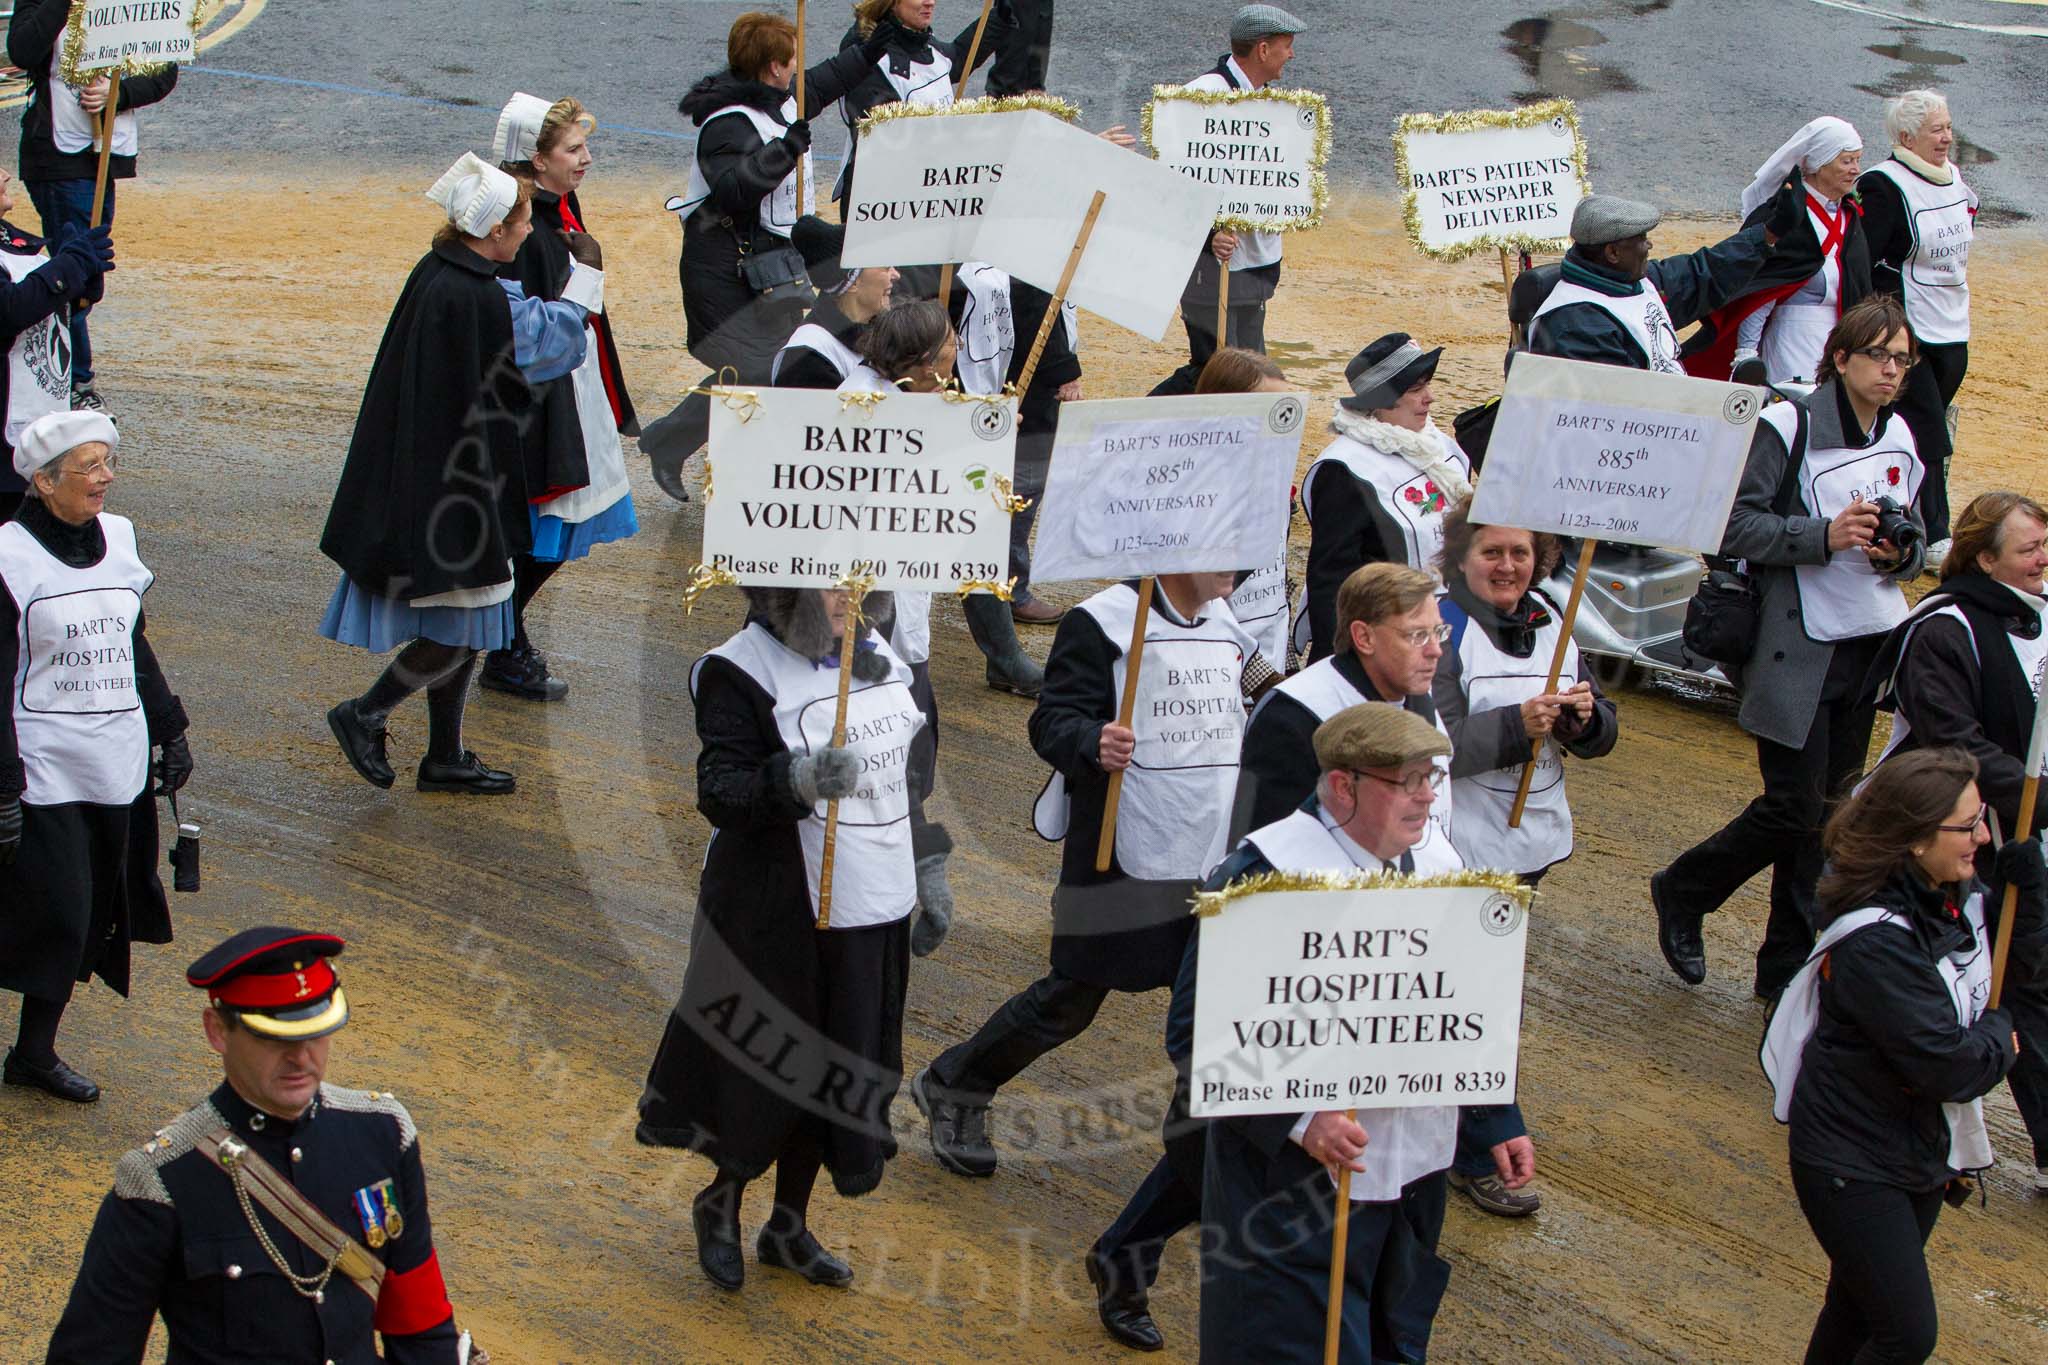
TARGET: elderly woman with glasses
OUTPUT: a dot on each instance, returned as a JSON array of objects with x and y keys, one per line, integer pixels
[{"x": 87, "y": 703}]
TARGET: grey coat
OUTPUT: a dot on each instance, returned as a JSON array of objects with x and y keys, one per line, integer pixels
[{"x": 1781, "y": 682}]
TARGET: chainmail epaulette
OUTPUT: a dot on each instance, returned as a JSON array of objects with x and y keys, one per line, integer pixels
[
  {"x": 372, "y": 1102},
  {"x": 135, "y": 1175}
]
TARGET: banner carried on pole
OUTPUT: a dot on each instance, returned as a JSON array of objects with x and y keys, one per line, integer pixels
[
  {"x": 807, "y": 488},
  {"x": 1168, "y": 485},
  {"x": 1491, "y": 178},
  {"x": 1265, "y": 149}
]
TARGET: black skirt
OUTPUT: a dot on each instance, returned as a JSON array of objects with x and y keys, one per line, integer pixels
[{"x": 82, "y": 889}]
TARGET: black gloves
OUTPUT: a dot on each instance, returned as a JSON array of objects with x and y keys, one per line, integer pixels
[
  {"x": 799, "y": 137},
  {"x": 1788, "y": 208},
  {"x": 10, "y": 830},
  {"x": 2018, "y": 864},
  {"x": 584, "y": 249},
  {"x": 876, "y": 43},
  {"x": 174, "y": 768},
  {"x": 82, "y": 260}
]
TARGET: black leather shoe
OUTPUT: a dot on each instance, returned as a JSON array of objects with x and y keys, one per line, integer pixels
[
  {"x": 56, "y": 1078},
  {"x": 1678, "y": 934},
  {"x": 464, "y": 774},
  {"x": 521, "y": 673},
  {"x": 361, "y": 745},
  {"x": 802, "y": 1255},
  {"x": 718, "y": 1247},
  {"x": 1124, "y": 1312},
  {"x": 959, "y": 1132}
]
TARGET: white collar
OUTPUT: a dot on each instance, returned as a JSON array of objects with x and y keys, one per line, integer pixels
[{"x": 1246, "y": 81}]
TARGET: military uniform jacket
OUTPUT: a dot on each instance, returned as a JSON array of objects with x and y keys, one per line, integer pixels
[{"x": 172, "y": 1238}]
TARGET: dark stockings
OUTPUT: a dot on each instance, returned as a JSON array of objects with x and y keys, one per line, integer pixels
[
  {"x": 796, "y": 1171},
  {"x": 37, "y": 1041},
  {"x": 442, "y": 672},
  {"x": 445, "y": 700},
  {"x": 529, "y": 576}
]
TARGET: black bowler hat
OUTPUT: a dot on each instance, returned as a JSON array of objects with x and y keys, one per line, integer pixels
[
  {"x": 278, "y": 981},
  {"x": 1388, "y": 368},
  {"x": 819, "y": 243}
]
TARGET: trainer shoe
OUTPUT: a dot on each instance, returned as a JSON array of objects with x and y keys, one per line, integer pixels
[
  {"x": 1937, "y": 551},
  {"x": 2041, "y": 1179},
  {"x": 87, "y": 399},
  {"x": 521, "y": 672},
  {"x": 959, "y": 1132},
  {"x": 1490, "y": 1193}
]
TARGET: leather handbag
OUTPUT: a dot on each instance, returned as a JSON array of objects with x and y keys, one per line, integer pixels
[{"x": 1725, "y": 613}]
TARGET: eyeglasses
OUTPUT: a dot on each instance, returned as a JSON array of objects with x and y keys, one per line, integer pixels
[
  {"x": 1430, "y": 779},
  {"x": 1882, "y": 358},
  {"x": 1422, "y": 635},
  {"x": 104, "y": 465},
  {"x": 1983, "y": 814}
]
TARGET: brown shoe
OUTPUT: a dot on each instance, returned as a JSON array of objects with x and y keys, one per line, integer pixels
[
  {"x": 1030, "y": 611},
  {"x": 1492, "y": 1195}
]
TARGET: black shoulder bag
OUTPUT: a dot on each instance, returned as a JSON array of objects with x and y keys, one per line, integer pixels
[{"x": 1722, "y": 620}]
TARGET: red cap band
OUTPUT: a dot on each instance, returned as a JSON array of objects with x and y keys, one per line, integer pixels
[{"x": 280, "y": 990}]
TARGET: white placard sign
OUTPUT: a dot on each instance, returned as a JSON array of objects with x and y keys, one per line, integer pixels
[
  {"x": 804, "y": 489},
  {"x": 921, "y": 185},
  {"x": 1491, "y": 178},
  {"x": 1616, "y": 454},
  {"x": 1385, "y": 999},
  {"x": 1168, "y": 485},
  {"x": 1152, "y": 226},
  {"x": 134, "y": 35},
  {"x": 1263, "y": 148}
]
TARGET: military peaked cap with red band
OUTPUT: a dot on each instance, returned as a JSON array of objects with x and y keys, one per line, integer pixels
[{"x": 278, "y": 981}]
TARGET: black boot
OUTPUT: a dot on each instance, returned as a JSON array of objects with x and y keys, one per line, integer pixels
[
  {"x": 799, "y": 1252},
  {"x": 1009, "y": 669},
  {"x": 1125, "y": 1311},
  {"x": 715, "y": 1218},
  {"x": 362, "y": 742}
]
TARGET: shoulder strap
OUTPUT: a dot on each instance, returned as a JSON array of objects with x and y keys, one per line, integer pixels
[
  {"x": 1788, "y": 483},
  {"x": 254, "y": 1178}
]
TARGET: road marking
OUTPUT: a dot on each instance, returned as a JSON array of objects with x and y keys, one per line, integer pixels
[
  {"x": 239, "y": 17},
  {"x": 1927, "y": 21}
]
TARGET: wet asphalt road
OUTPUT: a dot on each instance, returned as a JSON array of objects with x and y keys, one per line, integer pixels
[{"x": 1680, "y": 99}]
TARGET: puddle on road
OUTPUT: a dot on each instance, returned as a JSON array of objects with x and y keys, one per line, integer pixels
[
  {"x": 1302, "y": 355},
  {"x": 1906, "y": 50},
  {"x": 1550, "y": 49}
]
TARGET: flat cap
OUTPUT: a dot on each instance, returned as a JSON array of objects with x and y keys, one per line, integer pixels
[
  {"x": 1603, "y": 218},
  {"x": 1376, "y": 734},
  {"x": 1254, "y": 22},
  {"x": 278, "y": 980}
]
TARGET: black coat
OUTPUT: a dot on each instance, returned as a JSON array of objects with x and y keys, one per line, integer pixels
[
  {"x": 172, "y": 1238},
  {"x": 50, "y": 289},
  {"x": 32, "y": 37},
  {"x": 1350, "y": 528},
  {"x": 433, "y": 495},
  {"x": 1693, "y": 286},
  {"x": 898, "y": 47},
  {"x": 1887, "y": 1051},
  {"x": 1795, "y": 259},
  {"x": 1278, "y": 769}
]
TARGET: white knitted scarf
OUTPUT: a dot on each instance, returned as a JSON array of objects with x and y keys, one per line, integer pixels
[{"x": 1429, "y": 450}]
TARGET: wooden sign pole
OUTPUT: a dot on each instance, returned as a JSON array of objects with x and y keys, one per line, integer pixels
[
  {"x": 1059, "y": 297},
  {"x": 802, "y": 180},
  {"x": 1564, "y": 641},
  {"x": 1105, "y": 847},
  {"x": 2029, "y": 793},
  {"x": 849, "y": 645},
  {"x": 973, "y": 51},
  {"x": 1222, "y": 304},
  {"x": 1333, "y": 1320},
  {"x": 99, "y": 189},
  {"x": 1507, "y": 277}
]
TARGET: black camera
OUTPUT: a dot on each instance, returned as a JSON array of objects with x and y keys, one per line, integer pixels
[
  {"x": 185, "y": 858},
  {"x": 1895, "y": 528}
]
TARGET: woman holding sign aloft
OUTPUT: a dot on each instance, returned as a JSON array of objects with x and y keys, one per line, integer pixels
[
  {"x": 1882, "y": 1047},
  {"x": 786, "y": 1049},
  {"x": 1825, "y": 518},
  {"x": 904, "y": 61}
]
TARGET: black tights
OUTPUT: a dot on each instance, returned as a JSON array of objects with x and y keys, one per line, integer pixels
[
  {"x": 442, "y": 672},
  {"x": 37, "y": 1040},
  {"x": 796, "y": 1171},
  {"x": 529, "y": 576}
]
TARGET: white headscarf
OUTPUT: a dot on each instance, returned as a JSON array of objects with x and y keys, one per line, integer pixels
[
  {"x": 476, "y": 195},
  {"x": 1811, "y": 148},
  {"x": 518, "y": 135}
]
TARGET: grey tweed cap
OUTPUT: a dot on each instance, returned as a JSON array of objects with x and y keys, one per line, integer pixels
[
  {"x": 1603, "y": 218},
  {"x": 1254, "y": 22}
]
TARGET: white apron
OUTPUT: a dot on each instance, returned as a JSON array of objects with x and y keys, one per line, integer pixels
[
  {"x": 874, "y": 876},
  {"x": 1325, "y": 692},
  {"x": 1936, "y": 275},
  {"x": 1846, "y": 597},
  {"x": 1173, "y": 817},
  {"x": 1492, "y": 678},
  {"x": 778, "y": 206},
  {"x": 810, "y": 336},
  {"x": 77, "y": 714},
  {"x": 602, "y": 452},
  {"x": 1642, "y": 314},
  {"x": 39, "y": 362},
  {"x": 74, "y": 130},
  {"x": 988, "y": 330},
  {"x": 1260, "y": 606}
]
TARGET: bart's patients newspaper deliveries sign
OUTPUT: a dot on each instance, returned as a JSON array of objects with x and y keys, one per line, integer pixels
[
  {"x": 1264, "y": 149},
  {"x": 1168, "y": 485},
  {"x": 1383, "y": 999},
  {"x": 1616, "y": 454},
  {"x": 1491, "y": 178},
  {"x": 805, "y": 490},
  {"x": 130, "y": 34}
]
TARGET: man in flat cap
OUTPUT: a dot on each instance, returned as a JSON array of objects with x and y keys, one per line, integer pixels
[
  {"x": 1261, "y": 45},
  {"x": 1268, "y": 1197},
  {"x": 283, "y": 1219},
  {"x": 1611, "y": 303}
]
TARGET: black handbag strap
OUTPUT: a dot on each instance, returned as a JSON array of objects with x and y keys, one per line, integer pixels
[{"x": 1795, "y": 458}]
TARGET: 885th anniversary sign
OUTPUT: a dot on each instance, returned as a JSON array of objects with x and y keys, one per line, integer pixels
[{"x": 806, "y": 488}]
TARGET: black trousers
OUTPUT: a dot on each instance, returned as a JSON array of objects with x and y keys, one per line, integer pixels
[
  {"x": 1167, "y": 1200},
  {"x": 1880, "y": 1303},
  {"x": 1931, "y": 386},
  {"x": 1781, "y": 828},
  {"x": 1245, "y": 325},
  {"x": 1050, "y": 1011}
]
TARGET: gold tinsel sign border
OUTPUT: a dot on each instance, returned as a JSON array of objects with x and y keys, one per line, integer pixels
[
  {"x": 1006, "y": 104},
  {"x": 1560, "y": 111},
  {"x": 1319, "y": 152},
  {"x": 1265, "y": 883},
  {"x": 73, "y": 48}
]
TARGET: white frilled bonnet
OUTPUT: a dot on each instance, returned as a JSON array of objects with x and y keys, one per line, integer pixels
[
  {"x": 476, "y": 195},
  {"x": 519, "y": 127},
  {"x": 1811, "y": 148},
  {"x": 56, "y": 434}
]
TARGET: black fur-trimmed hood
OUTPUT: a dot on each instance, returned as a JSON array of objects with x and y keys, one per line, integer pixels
[{"x": 796, "y": 617}]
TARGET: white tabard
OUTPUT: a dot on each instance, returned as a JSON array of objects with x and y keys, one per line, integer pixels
[
  {"x": 1846, "y": 597},
  {"x": 39, "y": 361},
  {"x": 1325, "y": 692},
  {"x": 74, "y": 130},
  {"x": 2032, "y": 654},
  {"x": 1411, "y": 498},
  {"x": 602, "y": 451},
  {"x": 1936, "y": 275},
  {"x": 988, "y": 329},
  {"x": 1260, "y": 606},
  {"x": 778, "y": 206},
  {"x": 77, "y": 714},
  {"x": 1492, "y": 678},
  {"x": 874, "y": 877},
  {"x": 1642, "y": 314},
  {"x": 811, "y": 337}
]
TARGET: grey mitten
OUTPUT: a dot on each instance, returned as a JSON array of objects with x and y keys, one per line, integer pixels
[
  {"x": 828, "y": 775},
  {"x": 932, "y": 846}
]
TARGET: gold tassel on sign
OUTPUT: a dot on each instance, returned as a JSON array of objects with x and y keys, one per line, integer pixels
[
  {"x": 702, "y": 579},
  {"x": 1215, "y": 902},
  {"x": 1000, "y": 591},
  {"x": 1319, "y": 154},
  {"x": 987, "y": 104}
]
